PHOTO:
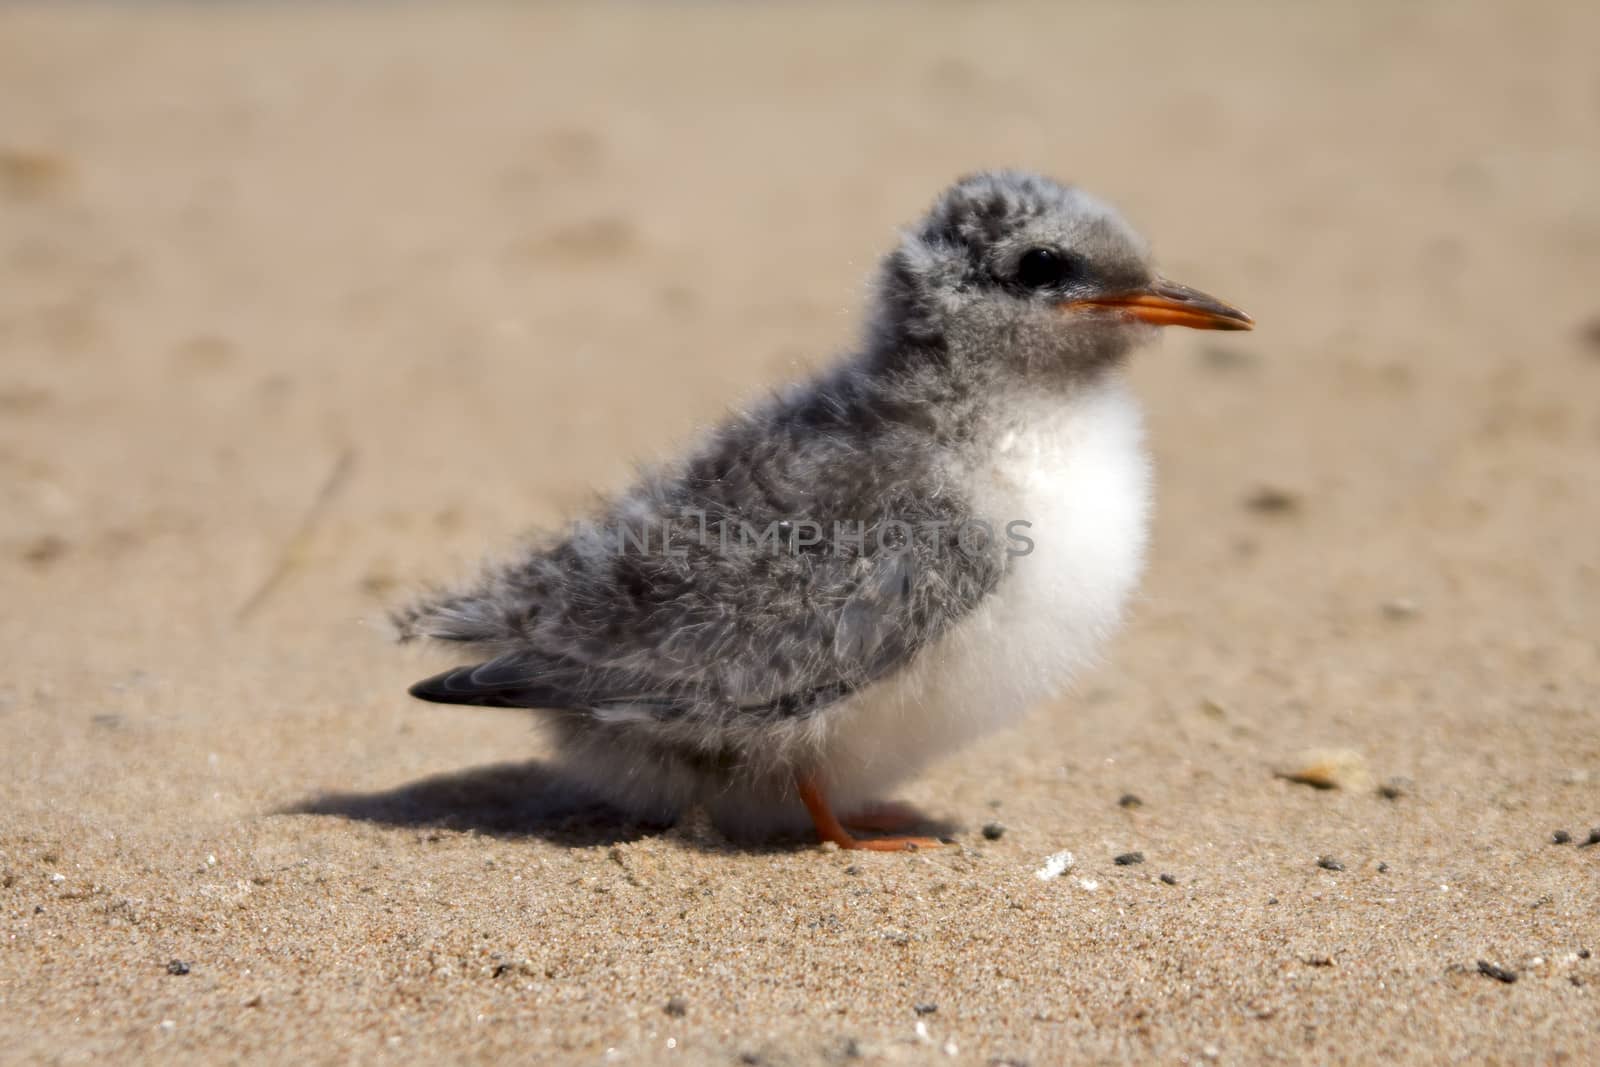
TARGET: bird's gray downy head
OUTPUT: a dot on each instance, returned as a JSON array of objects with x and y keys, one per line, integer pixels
[{"x": 1027, "y": 276}]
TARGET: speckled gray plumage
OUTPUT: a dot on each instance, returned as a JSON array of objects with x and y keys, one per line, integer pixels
[{"x": 704, "y": 666}]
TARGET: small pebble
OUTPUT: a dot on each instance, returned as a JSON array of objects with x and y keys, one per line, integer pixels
[
  {"x": 1328, "y": 768},
  {"x": 1560, "y": 837},
  {"x": 993, "y": 831},
  {"x": 1129, "y": 800},
  {"x": 1328, "y": 863},
  {"x": 1054, "y": 866},
  {"x": 1273, "y": 500},
  {"x": 925, "y": 1009},
  {"x": 1383, "y": 868},
  {"x": 504, "y": 967},
  {"x": 1168, "y": 879},
  {"x": 1395, "y": 788},
  {"x": 1592, "y": 839},
  {"x": 177, "y": 967},
  {"x": 676, "y": 1007},
  {"x": 1401, "y": 608},
  {"x": 1584, "y": 953},
  {"x": 45, "y": 550},
  {"x": 853, "y": 869},
  {"x": 1498, "y": 973},
  {"x": 1128, "y": 859}
]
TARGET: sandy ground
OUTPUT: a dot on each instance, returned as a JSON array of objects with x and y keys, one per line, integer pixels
[{"x": 303, "y": 307}]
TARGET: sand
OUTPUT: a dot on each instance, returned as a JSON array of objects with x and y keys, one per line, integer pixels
[{"x": 303, "y": 307}]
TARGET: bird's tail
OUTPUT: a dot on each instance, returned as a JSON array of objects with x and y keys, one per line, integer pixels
[
  {"x": 493, "y": 612},
  {"x": 459, "y": 617}
]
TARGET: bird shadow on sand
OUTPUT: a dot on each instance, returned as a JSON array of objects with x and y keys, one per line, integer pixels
[
  {"x": 534, "y": 800},
  {"x": 513, "y": 800}
]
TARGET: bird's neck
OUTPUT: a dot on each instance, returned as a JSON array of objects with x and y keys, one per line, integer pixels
[{"x": 949, "y": 367}]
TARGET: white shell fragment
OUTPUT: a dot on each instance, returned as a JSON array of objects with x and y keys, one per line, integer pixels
[{"x": 1054, "y": 866}]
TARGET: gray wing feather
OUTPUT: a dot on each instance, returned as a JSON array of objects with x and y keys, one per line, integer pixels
[{"x": 705, "y": 624}]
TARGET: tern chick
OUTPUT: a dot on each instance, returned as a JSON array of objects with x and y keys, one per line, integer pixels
[{"x": 872, "y": 567}]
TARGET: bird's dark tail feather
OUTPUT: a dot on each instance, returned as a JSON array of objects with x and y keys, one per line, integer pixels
[
  {"x": 484, "y": 685},
  {"x": 456, "y": 687}
]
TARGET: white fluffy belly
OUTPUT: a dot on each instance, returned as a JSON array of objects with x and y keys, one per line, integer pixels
[{"x": 1075, "y": 469}]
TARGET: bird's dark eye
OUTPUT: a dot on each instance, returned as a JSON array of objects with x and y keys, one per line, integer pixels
[{"x": 1040, "y": 268}]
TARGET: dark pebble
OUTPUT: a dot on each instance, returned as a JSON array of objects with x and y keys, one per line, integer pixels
[
  {"x": 45, "y": 550},
  {"x": 1584, "y": 953},
  {"x": 1272, "y": 900},
  {"x": 1560, "y": 837},
  {"x": 1129, "y": 800},
  {"x": 1328, "y": 863},
  {"x": 1498, "y": 973},
  {"x": 852, "y": 869},
  {"x": 1169, "y": 879},
  {"x": 676, "y": 1007},
  {"x": 1272, "y": 500},
  {"x": 1128, "y": 859},
  {"x": 177, "y": 967},
  {"x": 993, "y": 831},
  {"x": 925, "y": 1009},
  {"x": 1394, "y": 789},
  {"x": 1592, "y": 839},
  {"x": 1383, "y": 868}
]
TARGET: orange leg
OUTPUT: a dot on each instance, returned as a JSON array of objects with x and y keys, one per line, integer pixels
[{"x": 830, "y": 829}]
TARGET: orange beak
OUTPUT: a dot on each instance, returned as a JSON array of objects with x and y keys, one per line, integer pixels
[{"x": 1165, "y": 303}]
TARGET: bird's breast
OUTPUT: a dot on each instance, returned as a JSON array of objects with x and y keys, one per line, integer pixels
[
  {"x": 1070, "y": 481},
  {"x": 1066, "y": 486}
]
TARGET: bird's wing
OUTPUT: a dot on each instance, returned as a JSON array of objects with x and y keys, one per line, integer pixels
[
  {"x": 524, "y": 681},
  {"x": 674, "y": 639},
  {"x": 710, "y": 623}
]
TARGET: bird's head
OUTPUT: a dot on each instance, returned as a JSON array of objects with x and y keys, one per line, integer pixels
[{"x": 1019, "y": 273}]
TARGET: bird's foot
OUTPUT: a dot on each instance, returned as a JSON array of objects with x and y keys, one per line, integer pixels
[
  {"x": 892, "y": 844},
  {"x": 829, "y": 828}
]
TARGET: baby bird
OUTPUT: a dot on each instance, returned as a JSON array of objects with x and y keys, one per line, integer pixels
[{"x": 870, "y": 568}]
